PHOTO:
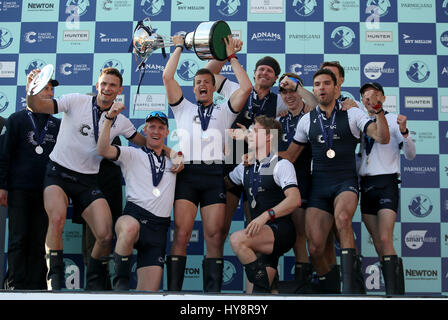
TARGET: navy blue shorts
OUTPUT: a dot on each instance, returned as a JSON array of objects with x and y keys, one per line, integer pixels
[
  {"x": 151, "y": 243},
  {"x": 81, "y": 188},
  {"x": 325, "y": 188},
  {"x": 201, "y": 184},
  {"x": 284, "y": 239},
  {"x": 379, "y": 192}
]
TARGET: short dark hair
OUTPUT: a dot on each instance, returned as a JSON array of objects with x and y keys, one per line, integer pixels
[
  {"x": 334, "y": 64},
  {"x": 112, "y": 71},
  {"x": 269, "y": 124},
  {"x": 290, "y": 75},
  {"x": 328, "y": 72},
  {"x": 205, "y": 71}
]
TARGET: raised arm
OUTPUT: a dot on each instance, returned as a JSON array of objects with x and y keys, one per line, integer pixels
[
  {"x": 36, "y": 102},
  {"x": 307, "y": 96},
  {"x": 379, "y": 130},
  {"x": 215, "y": 66},
  {"x": 173, "y": 90},
  {"x": 408, "y": 144},
  {"x": 103, "y": 146},
  {"x": 239, "y": 97}
]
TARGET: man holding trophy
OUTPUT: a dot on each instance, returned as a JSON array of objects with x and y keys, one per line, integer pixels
[{"x": 201, "y": 127}]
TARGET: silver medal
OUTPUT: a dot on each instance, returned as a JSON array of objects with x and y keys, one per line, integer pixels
[
  {"x": 204, "y": 135},
  {"x": 253, "y": 204},
  {"x": 156, "y": 192},
  {"x": 331, "y": 154},
  {"x": 39, "y": 150}
]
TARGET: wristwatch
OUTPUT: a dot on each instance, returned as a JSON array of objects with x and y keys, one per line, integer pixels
[{"x": 271, "y": 214}]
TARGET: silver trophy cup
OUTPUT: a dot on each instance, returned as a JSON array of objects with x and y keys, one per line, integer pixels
[{"x": 206, "y": 40}]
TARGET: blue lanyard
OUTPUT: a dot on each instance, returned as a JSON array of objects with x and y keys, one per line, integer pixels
[
  {"x": 96, "y": 115},
  {"x": 251, "y": 108},
  {"x": 157, "y": 175},
  {"x": 205, "y": 116},
  {"x": 327, "y": 135},
  {"x": 255, "y": 176},
  {"x": 295, "y": 120},
  {"x": 39, "y": 137}
]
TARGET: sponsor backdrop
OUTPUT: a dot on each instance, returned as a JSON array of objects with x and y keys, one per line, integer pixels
[{"x": 402, "y": 44}]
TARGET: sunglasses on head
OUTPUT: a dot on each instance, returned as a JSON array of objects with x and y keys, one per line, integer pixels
[{"x": 158, "y": 114}]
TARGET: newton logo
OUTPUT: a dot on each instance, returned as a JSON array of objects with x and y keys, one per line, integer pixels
[
  {"x": 304, "y": 8},
  {"x": 343, "y": 37},
  {"x": 152, "y": 7},
  {"x": 418, "y": 72},
  {"x": 228, "y": 8}
]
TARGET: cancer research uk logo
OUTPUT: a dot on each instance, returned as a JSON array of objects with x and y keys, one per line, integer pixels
[
  {"x": 418, "y": 71},
  {"x": 420, "y": 206},
  {"x": 6, "y": 38}
]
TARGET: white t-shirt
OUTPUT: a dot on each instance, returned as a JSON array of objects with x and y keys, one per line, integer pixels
[
  {"x": 75, "y": 148},
  {"x": 137, "y": 174},
  {"x": 284, "y": 173},
  {"x": 194, "y": 145},
  {"x": 385, "y": 158}
]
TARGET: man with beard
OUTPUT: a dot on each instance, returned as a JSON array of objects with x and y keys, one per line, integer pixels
[{"x": 334, "y": 134}]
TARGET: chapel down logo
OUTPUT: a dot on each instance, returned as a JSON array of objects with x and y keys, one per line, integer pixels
[
  {"x": 5, "y": 38},
  {"x": 304, "y": 8},
  {"x": 152, "y": 7},
  {"x": 228, "y": 8},
  {"x": 343, "y": 37},
  {"x": 418, "y": 72}
]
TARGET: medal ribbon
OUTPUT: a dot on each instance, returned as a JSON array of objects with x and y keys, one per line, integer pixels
[
  {"x": 39, "y": 137},
  {"x": 255, "y": 176},
  {"x": 205, "y": 116},
  {"x": 251, "y": 108},
  {"x": 96, "y": 115},
  {"x": 290, "y": 133},
  {"x": 157, "y": 175},
  {"x": 327, "y": 135}
]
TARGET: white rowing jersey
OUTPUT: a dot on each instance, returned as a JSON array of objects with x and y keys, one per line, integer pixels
[
  {"x": 385, "y": 158},
  {"x": 75, "y": 147},
  {"x": 198, "y": 145},
  {"x": 137, "y": 175}
]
